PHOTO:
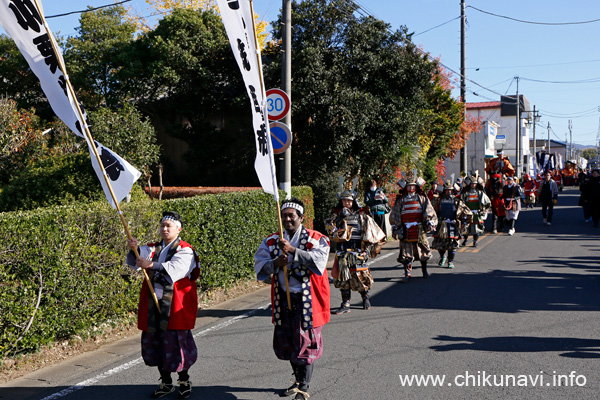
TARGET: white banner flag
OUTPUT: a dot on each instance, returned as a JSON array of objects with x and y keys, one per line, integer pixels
[
  {"x": 22, "y": 21},
  {"x": 239, "y": 24}
]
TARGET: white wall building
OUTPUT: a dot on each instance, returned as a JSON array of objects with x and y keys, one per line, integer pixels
[{"x": 498, "y": 131}]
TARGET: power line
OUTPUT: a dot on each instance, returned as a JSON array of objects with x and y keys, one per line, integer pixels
[
  {"x": 364, "y": 12},
  {"x": 590, "y": 80},
  {"x": 537, "y": 65},
  {"x": 87, "y": 10},
  {"x": 533, "y": 22},
  {"x": 437, "y": 26}
]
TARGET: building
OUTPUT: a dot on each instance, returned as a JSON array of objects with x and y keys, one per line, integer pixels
[{"x": 498, "y": 131}]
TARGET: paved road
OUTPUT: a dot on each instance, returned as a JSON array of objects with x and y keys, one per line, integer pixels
[{"x": 517, "y": 318}]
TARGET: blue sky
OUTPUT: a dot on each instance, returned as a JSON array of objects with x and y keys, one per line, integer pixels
[{"x": 548, "y": 59}]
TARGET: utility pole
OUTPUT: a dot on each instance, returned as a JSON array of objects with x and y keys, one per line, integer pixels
[
  {"x": 286, "y": 80},
  {"x": 463, "y": 94},
  {"x": 548, "y": 137},
  {"x": 570, "y": 139},
  {"x": 535, "y": 166},
  {"x": 518, "y": 142}
]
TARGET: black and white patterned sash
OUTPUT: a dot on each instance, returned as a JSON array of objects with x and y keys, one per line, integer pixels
[
  {"x": 159, "y": 277},
  {"x": 302, "y": 274}
]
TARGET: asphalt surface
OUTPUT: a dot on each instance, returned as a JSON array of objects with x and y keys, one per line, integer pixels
[{"x": 517, "y": 318}]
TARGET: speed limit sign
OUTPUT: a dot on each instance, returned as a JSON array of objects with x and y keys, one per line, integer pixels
[{"x": 278, "y": 104}]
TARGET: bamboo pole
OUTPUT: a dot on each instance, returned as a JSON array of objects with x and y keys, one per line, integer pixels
[
  {"x": 88, "y": 135},
  {"x": 276, "y": 196}
]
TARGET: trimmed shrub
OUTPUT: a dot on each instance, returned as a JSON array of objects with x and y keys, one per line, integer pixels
[{"x": 62, "y": 269}]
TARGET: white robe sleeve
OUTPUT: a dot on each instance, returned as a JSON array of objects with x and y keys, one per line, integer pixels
[
  {"x": 316, "y": 258},
  {"x": 263, "y": 263},
  {"x": 181, "y": 264}
]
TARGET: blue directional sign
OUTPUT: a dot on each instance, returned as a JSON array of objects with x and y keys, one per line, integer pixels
[{"x": 281, "y": 137}]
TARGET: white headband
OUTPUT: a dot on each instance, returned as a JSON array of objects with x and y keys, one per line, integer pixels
[
  {"x": 172, "y": 219},
  {"x": 295, "y": 206}
]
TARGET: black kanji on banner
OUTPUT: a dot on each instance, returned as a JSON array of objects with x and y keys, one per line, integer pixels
[
  {"x": 45, "y": 48},
  {"x": 262, "y": 140},
  {"x": 27, "y": 14},
  {"x": 243, "y": 54},
  {"x": 112, "y": 166}
]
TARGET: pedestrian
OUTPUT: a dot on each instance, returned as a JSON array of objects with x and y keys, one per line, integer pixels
[
  {"x": 378, "y": 204},
  {"x": 167, "y": 341},
  {"x": 548, "y": 197},
  {"x": 414, "y": 217},
  {"x": 452, "y": 214},
  {"x": 584, "y": 180},
  {"x": 479, "y": 203},
  {"x": 511, "y": 195},
  {"x": 347, "y": 227},
  {"x": 590, "y": 193},
  {"x": 297, "y": 336}
]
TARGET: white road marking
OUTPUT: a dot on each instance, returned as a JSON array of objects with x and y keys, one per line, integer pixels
[{"x": 123, "y": 367}]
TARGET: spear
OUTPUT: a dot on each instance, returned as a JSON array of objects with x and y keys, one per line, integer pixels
[{"x": 90, "y": 140}]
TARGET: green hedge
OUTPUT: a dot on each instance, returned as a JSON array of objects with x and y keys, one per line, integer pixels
[{"x": 70, "y": 259}]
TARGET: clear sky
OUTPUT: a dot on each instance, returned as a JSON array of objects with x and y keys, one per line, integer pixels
[{"x": 558, "y": 65}]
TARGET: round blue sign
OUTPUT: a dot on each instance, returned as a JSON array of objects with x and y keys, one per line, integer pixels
[{"x": 281, "y": 137}]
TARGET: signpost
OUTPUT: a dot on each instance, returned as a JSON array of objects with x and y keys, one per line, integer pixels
[
  {"x": 281, "y": 137},
  {"x": 278, "y": 104}
]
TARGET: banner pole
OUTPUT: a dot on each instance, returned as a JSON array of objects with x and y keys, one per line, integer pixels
[
  {"x": 91, "y": 142},
  {"x": 270, "y": 147}
]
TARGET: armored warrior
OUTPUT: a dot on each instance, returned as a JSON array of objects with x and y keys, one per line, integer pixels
[
  {"x": 479, "y": 203},
  {"x": 500, "y": 165},
  {"x": 452, "y": 214},
  {"x": 348, "y": 227},
  {"x": 412, "y": 217}
]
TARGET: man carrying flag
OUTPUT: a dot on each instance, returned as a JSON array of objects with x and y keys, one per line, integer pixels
[
  {"x": 300, "y": 301},
  {"x": 298, "y": 324},
  {"x": 167, "y": 341}
]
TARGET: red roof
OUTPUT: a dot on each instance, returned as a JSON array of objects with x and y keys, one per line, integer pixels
[{"x": 485, "y": 104}]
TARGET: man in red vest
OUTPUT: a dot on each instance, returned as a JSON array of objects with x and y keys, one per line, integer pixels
[
  {"x": 167, "y": 341},
  {"x": 297, "y": 337}
]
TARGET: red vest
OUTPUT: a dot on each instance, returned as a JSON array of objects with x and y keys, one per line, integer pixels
[{"x": 184, "y": 305}]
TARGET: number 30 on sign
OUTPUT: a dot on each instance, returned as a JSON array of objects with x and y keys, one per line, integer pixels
[{"x": 278, "y": 104}]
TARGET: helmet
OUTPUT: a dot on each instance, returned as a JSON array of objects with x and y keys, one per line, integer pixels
[{"x": 347, "y": 195}]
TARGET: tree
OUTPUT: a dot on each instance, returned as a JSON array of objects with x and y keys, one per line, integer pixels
[
  {"x": 359, "y": 94},
  {"x": 166, "y": 7},
  {"x": 39, "y": 169},
  {"x": 18, "y": 82},
  {"x": 95, "y": 56},
  {"x": 184, "y": 76},
  {"x": 128, "y": 134},
  {"x": 589, "y": 154},
  {"x": 21, "y": 139}
]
